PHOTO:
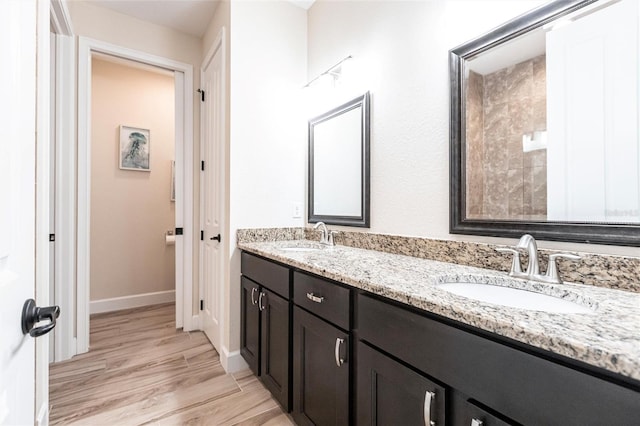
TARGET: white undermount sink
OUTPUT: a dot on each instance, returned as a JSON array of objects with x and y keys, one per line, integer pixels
[
  {"x": 304, "y": 247},
  {"x": 514, "y": 298}
]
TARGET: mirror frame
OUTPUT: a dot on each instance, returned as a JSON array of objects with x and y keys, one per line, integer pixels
[
  {"x": 583, "y": 232},
  {"x": 363, "y": 219}
]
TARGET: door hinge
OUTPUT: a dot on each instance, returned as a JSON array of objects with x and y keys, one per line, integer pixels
[
  {"x": 201, "y": 94},
  {"x": 52, "y": 237},
  {"x": 202, "y": 165},
  {"x": 179, "y": 231},
  {"x": 202, "y": 305},
  {"x": 201, "y": 235}
]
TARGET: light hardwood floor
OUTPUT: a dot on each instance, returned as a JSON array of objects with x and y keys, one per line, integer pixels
[{"x": 141, "y": 370}]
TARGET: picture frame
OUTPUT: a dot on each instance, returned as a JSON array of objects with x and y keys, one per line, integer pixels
[{"x": 134, "y": 149}]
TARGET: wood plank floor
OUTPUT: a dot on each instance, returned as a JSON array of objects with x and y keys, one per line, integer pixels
[{"x": 141, "y": 370}]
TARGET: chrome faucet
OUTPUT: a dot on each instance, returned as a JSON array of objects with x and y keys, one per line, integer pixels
[
  {"x": 528, "y": 243},
  {"x": 326, "y": 236}
]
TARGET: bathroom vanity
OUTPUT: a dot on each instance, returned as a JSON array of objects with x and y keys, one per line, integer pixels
[{"x": 369, "y": 338}]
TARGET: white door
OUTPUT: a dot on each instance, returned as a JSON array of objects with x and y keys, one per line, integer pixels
[
  {"x": 212, "y": 194},
  {"x": 17, "y": 207},
  {"x": 593, "y": 161}
]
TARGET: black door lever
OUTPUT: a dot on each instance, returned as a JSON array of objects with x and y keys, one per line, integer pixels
[
  {"x": 31, "y": 315},
  {"x": 217, "y": 238}
]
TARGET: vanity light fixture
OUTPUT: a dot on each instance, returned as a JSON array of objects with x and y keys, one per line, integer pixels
[{"x": 333, "y": 74}]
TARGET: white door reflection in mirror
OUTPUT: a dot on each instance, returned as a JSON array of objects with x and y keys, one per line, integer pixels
[{"x": 593, "y": 162}]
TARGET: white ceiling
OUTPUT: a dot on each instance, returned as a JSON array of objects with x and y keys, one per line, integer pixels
[{"x": 188, "y": 16}]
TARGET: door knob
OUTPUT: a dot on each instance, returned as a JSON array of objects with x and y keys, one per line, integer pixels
[
  {"x": 31, "y": 314},
  {"x": 217, "y": 238}
]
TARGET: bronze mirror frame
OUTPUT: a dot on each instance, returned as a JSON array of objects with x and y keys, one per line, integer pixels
[{"x": 582, "y": 232}]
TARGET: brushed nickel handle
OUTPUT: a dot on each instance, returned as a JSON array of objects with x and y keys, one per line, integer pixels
[
  {"x": 339, "y": 360},
  {"x": 429, "y": 396},
  {"x": 260, "y": 305},
  {"x": 253, "y": 300},
  {"x": 314, "y": 298}
]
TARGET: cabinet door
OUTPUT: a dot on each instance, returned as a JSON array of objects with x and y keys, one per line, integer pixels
[
  {"x": 250, "y": 325},
  {"x": 275, "y": 348},
  {"x": 320, "y": 371},
  {"x": 391, "y": 394}
]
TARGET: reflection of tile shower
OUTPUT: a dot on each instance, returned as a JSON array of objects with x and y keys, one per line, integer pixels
[{"x": 505, "y": 138}]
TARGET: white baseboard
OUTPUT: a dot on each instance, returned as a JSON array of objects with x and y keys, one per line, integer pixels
[
  {"x": 232, "y": 361},
  {"x": 43, "y": 416},
  {"x": 193, "y": 325},
  {"x": 134, "y": 301}
]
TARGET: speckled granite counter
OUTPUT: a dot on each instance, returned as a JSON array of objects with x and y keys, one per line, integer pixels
[{"x": 609, "y": 338}]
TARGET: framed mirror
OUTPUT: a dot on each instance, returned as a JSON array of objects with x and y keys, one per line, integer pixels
[
  {"x": 339, "y": 165},
  {"x": 544, "y": 126}
]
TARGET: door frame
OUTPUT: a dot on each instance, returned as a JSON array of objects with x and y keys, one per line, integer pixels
[
  {"x": 65, "y": 180},
  {"x": 184, "y": 180}
]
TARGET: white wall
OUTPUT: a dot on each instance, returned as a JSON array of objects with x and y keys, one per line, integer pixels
[
  {"x": 267, "y": 130},
  {"x": 401, "y": 52}
]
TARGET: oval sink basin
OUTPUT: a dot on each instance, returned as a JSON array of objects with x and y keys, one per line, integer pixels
[
  {"x": 300, "y": 248},
  {"x": 305, "y": 246},
  {"x": 514, "y": 298}
]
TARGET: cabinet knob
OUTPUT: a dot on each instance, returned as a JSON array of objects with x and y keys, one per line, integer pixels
[
  {"x": 339, "y": 359},
  {"x": 429, "y": 396}
]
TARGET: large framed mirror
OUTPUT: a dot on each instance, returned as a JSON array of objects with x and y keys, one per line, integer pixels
[
  {"x": 339, "y": 165},
  {"x": 544, "y": 126}
]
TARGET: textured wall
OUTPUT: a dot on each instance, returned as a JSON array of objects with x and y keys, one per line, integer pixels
[{"x": 130, "y": 210}]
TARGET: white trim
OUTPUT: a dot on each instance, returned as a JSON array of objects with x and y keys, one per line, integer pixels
[
  {"x": 184, "y": 179},
  {"x": 232, "y": 361},
  {"x": 60, "y": 18},
  {"x": 133, "y": 301},
  {"x": 65, "y": 197},
  {"x": 43, "y": 416}
]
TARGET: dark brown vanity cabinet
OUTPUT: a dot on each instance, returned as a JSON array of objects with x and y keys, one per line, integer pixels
[
  {"x": 487, "y": 380},
  {"x": 391, "y": 394},
  {"x": 321, "y": 355},
  {"x": 265, "y": 341}
]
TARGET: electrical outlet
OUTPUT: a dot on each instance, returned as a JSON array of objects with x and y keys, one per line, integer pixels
[{"x": 297, "y": 210}]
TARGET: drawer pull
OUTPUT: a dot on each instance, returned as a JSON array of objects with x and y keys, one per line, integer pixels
[
  {"x": 260, "y": 305},
  {"x": 339, "y": 360},
  {"x": 253, "y": 300},
  {"x": 428, "y": 400},
  {"x": 314, "y": 298},
  {"x": 476, "y": 422}
]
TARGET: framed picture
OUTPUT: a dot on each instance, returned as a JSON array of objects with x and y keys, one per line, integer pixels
[
  {"x": 172, "y": 190},
  {"x": 134, "y": 149}
]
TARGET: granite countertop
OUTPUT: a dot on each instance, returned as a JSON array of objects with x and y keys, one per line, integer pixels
[{"x": 608, "y": 338}]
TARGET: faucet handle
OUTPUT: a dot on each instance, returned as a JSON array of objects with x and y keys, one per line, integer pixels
[
  {"x": 552, "y": 267},
  {"x": 330, "y": 240},
  {"x": 516, "y": 267}
]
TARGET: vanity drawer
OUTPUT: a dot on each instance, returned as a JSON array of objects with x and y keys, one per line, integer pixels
[
  {"x": 328, "y": 300},
  {"x": 271, "y": 275}
]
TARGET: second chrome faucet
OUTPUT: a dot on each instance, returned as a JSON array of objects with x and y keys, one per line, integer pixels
[
  {"x": 326, "y": 236},
  {"x": 528, "y": 243}
]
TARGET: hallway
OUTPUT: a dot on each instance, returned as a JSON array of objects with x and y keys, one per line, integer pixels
[{"x": 142, "y": 370}]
